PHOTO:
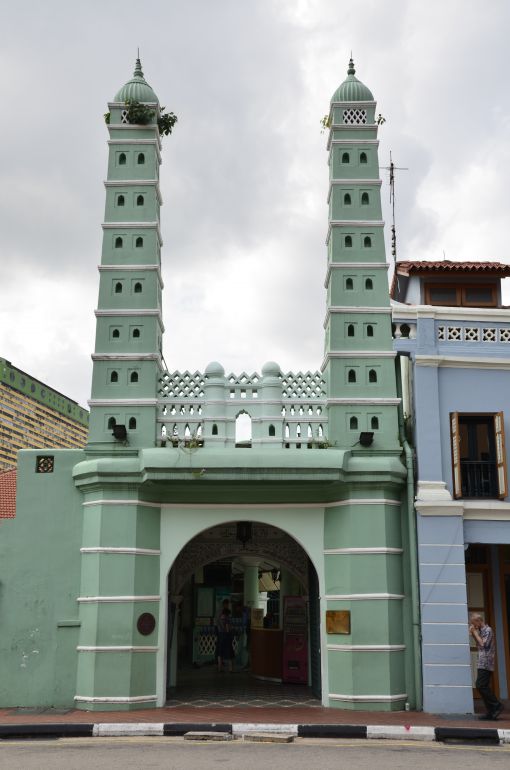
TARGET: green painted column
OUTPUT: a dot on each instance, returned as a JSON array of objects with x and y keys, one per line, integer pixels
[
  {"x": 363, "y": 574},
  {"x": 119, "y": 584}
]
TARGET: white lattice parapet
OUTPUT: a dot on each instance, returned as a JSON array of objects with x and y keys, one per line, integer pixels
[{"x": 286, "y": 410}]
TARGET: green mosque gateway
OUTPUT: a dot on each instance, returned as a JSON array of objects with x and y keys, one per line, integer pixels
[{"x": 112, "y": 570}]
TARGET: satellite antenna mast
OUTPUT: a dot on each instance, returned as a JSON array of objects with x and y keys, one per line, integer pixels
[{"x": 392, "y": 168}]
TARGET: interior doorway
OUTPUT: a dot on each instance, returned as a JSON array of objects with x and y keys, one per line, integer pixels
[{"x": 268, "y": 586}]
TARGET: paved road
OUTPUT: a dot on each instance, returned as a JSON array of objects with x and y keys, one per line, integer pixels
[{"x": 303, "y": 754}]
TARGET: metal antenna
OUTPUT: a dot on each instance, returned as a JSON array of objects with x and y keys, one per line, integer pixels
[{"x": 392, "y": 168}]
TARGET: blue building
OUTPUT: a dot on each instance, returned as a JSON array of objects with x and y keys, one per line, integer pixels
[{"x": 452, "y": 334}]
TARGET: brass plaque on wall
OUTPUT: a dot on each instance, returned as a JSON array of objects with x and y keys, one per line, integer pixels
[{"x": 338, "y": 621}]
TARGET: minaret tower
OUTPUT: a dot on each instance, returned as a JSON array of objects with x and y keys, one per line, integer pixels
[
  {"x": 127, "y": 357},
  {"x": 359, "y": 360}
]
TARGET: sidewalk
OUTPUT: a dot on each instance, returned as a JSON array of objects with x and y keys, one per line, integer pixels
[{"x": 336, "y": 723}]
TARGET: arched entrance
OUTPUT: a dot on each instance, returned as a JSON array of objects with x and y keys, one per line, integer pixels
[{"x": 272, "y": 590}]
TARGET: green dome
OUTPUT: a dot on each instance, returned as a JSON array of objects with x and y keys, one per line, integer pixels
[
  {"x": 352, "y": 90},
  {"x": 137, "y": 89}
]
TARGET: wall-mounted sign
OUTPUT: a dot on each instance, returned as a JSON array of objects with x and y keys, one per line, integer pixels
[{"x": 338, "y": 621}]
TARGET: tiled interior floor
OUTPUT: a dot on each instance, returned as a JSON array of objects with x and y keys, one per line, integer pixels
[{"x": 206, "y": 687}]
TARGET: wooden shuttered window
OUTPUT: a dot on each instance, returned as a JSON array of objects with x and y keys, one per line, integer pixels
[
  {"x": 500, "y": 480},
  {"x": 499, "y": 433},
  {"x": 455, "y": 434}
]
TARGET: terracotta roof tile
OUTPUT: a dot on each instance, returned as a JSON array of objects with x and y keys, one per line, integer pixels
[
  {"x": 8, "y": 494},
  {"x": 447, "y": 266}
]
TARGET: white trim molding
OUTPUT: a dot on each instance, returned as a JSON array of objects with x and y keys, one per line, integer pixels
[
  {"x": 134, "y": 226},
  {"x": 155, "y": 142},
  {"x": 128, "y": 551},
  {"x": 463, "y": 362},
  {"x": 118, "y": 648},
  {"x": 116, "y": 599},
  {"x": 362, "y": 597},
  {"x": 361, "y": 354},
  {"x": 115, "y": 699},
  {"x": 135, "y": 183},
  {"x": 439, "y": 313},
  {"x": 126, "y": 357},
  {"x": 364, "y": 401},
  {"x": 353, "y": 266},
  {"x": 259, "y": 506},
  {"x": 368, "y": 698},
  {"x": 366, "y": 647},
  {"x": 112, "y": 402},
  {"x": 133, "y": 269},
  {"x": 122, "y": 502},
  {"x": 376, "y": 551}
]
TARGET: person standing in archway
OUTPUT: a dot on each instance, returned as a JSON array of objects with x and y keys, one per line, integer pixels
[
  {"x": 484, "y": 638},
  {"x": 225, "y": 650}
]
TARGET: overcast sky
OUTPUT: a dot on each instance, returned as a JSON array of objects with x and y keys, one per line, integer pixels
[{"x": 244, "y": 176}]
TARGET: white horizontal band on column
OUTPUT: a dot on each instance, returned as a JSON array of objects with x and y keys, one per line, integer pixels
[
  {"x": 113, "y": 699},
  {"x": 362, "y": 551},
  {"x": 118, "y": 648},
  {"x": 131, "y": 551},
  {"x": 332, "y": 504},
  {"x": 96, "y": 599},
  {"x": 360, "y": 597},
  {"x": 367, "y": 698},
  {"x": 366, "y": 647}
]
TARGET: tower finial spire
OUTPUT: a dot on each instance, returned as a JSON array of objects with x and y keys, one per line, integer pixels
[
  {"x": 138, "y": 66},
  {"x": 350, "y": 69}
]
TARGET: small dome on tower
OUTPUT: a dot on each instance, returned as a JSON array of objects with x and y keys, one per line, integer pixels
[
  {"x": 352, "y": 89},
  {"x": 271, "y": 369},
  {"x": 214, "y": 369},
  {"x": 137, "y": 89}
]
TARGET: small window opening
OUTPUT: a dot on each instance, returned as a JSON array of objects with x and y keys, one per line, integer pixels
[
  {"x": 140, "y": 159},
  {"x": 350, "y": 330},
  {"x": 348, "y": 242},
  {"x": 367, "y": 242},
  {"x": 132, "y": 423},
  {"x": 370, "y": 330},
  {"x": 243, "y": 430},
  {"x": 351, "y": 376},
  {"x": 111, "y": 423},
  {"x": 114, "y": 377},
  {"x": 137, "y": 288},
  {"x": 139, "y": 200},
  {"x": 372, "y": 375},
  {"x": 349, "y": 284},
  {"x": 120, "y": 200},
  {"x": 272, "y": 431},
  {"x": 115, "y": 333},
  {"x": 122, "y": 159},
  {"x": 347, "y": 199},
  {"x": 374, "y": 423},
  {"x": 369, "y": 284},
  {"x": 345, "y": 157},
  {"x": 365, "y": 199},
  {"x": 118, "y": 288},
  {"x": 118, "y": 243},
  {"x": 136, "y": 333},
  {"x": 214, "y": 430},
  {"x": 139, "y": 243},
  {"x": 363, "y": 157},
  {"x": 133, "y": 377},
  {"x": 353, "y": 423}
]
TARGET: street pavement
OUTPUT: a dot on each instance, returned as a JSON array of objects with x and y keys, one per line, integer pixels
[{"x": 303, "y": 754}]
